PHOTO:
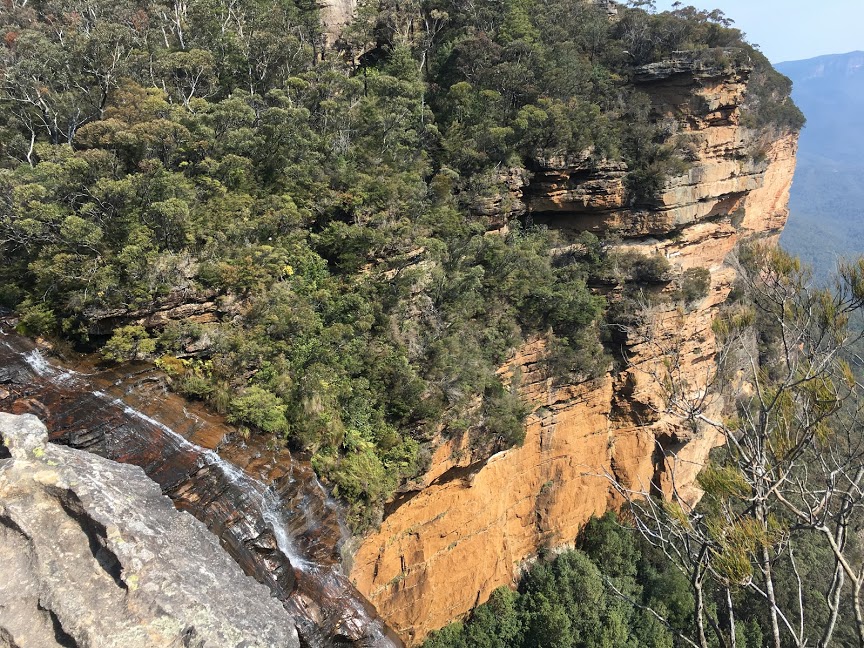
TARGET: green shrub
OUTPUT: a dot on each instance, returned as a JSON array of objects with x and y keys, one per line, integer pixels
[
  {"x": 636, "y": 267},
  {"x": 260, "y": 408},
  {"x": 694, "y": 285},
  {"x": 129, "y": 343},
  {"x": 768, "y": 102},
  {"x": 35, "y": 318},
  {"x": 361, "y": 475},
  {"x": 504, "y": 415}
]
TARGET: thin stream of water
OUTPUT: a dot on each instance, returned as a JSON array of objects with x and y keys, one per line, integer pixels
[
  {"x": 74, "y": 390},
  {"x": 267, "y": 503}
]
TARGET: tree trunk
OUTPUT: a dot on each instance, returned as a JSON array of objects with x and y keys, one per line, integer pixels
[
  {"x": 833, "y": 605},
  {"x": 699, "y": 610},
  {"x": 765, "y": 565},
  {"x": 733, "y": 640}
]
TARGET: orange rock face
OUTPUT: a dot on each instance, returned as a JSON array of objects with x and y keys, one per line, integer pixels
[{"x": 442, "y": 549}]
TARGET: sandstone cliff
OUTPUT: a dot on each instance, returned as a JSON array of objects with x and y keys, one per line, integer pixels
[
  {"x": 92, "y": 554},
  {"x": 469, "y": 528},
  {"x": 335, "y": 14}
]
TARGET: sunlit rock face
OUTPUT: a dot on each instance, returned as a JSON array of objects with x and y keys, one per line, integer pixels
[
  {"x": 92, "y": 554},
  {"x": 335, "y": 14},
  {"x": 470, "y": 524}
]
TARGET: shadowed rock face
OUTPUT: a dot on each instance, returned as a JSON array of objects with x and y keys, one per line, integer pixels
[
  {"x": 92, "y": 554},
  {"x": 267, "y": 509}
]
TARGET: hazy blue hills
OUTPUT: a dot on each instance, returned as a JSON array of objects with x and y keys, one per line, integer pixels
[
  {"x": 830, "y": 91},
  {"x": 827, "y": 204}
]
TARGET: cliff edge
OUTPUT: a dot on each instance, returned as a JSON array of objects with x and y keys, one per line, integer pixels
[
  {"x": 496, "y": 514},
  {"x": 92, "y": 554}
]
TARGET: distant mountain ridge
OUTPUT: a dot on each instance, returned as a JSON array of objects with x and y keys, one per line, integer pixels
[
  {"x": 828, "y": 65},
  {"x": 830, "y": 92},
  {"x": 827, "y": 202}
]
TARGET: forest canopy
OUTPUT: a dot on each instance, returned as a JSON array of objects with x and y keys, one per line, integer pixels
[{"x": 325, "y": 199}]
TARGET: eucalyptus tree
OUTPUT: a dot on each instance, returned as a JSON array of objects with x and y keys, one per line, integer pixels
[{"x": 792, "y": 461}]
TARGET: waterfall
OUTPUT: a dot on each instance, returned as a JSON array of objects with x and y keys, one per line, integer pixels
[
  {"x": 265, "y": 499},
  {"x": 97, "y": 412}
]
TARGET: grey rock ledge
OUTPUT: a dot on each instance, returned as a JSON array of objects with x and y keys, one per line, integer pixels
[{"x": 92, "y": 554}]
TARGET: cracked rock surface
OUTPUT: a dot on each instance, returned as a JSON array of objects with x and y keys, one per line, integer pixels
[{"x": 92, "y": 554}]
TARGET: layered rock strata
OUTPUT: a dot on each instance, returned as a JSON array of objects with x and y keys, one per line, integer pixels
[
  {"x": 470, "y": 526},
  {"x": 92, "y": 554}
]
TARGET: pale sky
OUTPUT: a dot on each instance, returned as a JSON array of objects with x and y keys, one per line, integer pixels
[{"x": 790, "y": 30}]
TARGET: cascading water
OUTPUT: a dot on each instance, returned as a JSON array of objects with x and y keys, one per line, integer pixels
[
  {"x": 269, "y": 510},
  {"x": 264, "y": 499}
]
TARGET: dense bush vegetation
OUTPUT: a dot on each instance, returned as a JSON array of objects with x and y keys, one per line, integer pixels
[
  {"x": 587, "y": 597},
  {"x": 208, "y": 150},
  {"x": 606, "y": 591}
]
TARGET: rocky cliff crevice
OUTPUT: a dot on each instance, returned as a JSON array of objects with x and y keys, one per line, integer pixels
[
  {"x": 498, "y": 514},
  {"x": 92, "y": 554}
]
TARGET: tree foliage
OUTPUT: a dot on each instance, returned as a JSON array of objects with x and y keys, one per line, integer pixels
[
  {"x": 569, "y": 600},
  {"x": 212, "y": 151},
  {"x": 771, "y": 544}
]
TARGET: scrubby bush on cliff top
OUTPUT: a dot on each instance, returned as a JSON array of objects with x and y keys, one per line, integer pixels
[{"x": 210, "y": 150}]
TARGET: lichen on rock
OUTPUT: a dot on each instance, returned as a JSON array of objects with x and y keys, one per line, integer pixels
[{"x": 92, "y": 554}]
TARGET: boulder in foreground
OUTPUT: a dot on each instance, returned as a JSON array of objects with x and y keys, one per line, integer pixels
[{"x": 92, "y": 554}]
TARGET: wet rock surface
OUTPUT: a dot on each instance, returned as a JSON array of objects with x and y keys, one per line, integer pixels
[
  {"x": 92, "y": 554},
  {"x": 265, "y": 507}
]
